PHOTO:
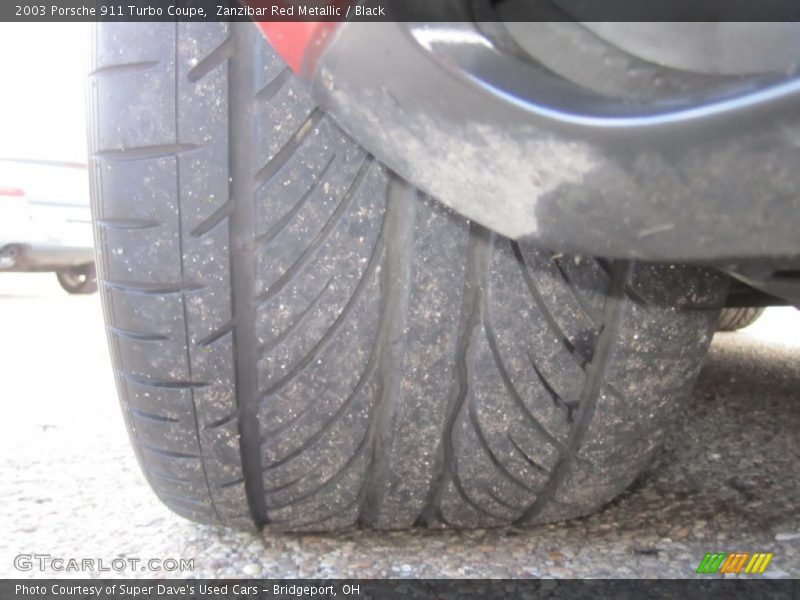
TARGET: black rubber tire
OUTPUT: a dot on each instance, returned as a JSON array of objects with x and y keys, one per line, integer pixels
[
  {"x": 78, "y": 280},
  {"x": 304, "y": 341},
  {"x": 732, "y": 319}
]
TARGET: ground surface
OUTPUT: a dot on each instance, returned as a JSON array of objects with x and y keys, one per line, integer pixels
[{"x": 729, "y": 481}]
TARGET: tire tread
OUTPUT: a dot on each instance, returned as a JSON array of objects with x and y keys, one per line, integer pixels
[{"x": 309, "y": 343}]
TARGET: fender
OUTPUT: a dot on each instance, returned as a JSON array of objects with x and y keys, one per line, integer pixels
[
  {"x": 509, "y": 145},
  {"x": 298, "y": 43}
]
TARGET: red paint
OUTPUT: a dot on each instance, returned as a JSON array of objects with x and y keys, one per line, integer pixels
[
  {"x": 294, "y": 41},
  {"x": 298, "y": 43}
]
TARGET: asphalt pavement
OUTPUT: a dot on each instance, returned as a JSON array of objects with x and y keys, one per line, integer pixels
[{"x": 728, "y": 480}]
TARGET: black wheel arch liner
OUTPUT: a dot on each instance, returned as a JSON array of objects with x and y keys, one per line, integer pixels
[{"x": 712, "y": 180}]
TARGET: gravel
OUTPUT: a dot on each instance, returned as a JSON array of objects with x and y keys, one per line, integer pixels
[{"x": 728, "y": 480}]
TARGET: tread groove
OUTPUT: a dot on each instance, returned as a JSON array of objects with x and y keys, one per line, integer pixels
[
  {"x": 574, "y": 292},
  {"x": 475, "y": 422},
  {"x": 525, "y": 456},
  {"x": 284, "y": 486},
  {"x": 128, "y": 224},
  {"x": 320, "y": 238},
  {"x": 285, "y": 154},
  {"x": 212, "y": 60},
  {"x": 217, "y": 217},
  {"x": 368, "y": 371},
  {"x": 333, "y": 329},
  {"x": 558, "y": 400},
  {"x": 446, "y": 466},
  {"x": 165, "y": 477},
  {"x": 612, "y": 319},
  {"x": 229, "y": 484},
  {"x": 135, "y": 153},
  {"x": 124, "y": 68},
  {"x": 217, "y": 334},
  {"x": 169, "y": 453},
  {"x": 266, "y": 93},
  {"x": 152, "y": 417},
  {"x": 629, "y": 291},
  {"x": 264, "y": 349},
  {"x": 222, "y": 421},
  {"x": 333, "y": 479},
  {"x": 279, "y": 226},
  {"x": 143, "y": 287},
  {"x": 137, "y": 335},
  {"x": 512, "y": 389},
  {"x": 551, "y": 321},
  {"x": 184, "y": 308},
  {"x": 160, "y": 383},
  {"x": 186, "y": 500},
  {"x": 398, "y": 232},
  {"x": 241, "y": 182}
]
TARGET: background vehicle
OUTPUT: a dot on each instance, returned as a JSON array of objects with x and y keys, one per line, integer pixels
[
  {"x": 435, "y": 283},
  {"x": 45, "y": 222}
]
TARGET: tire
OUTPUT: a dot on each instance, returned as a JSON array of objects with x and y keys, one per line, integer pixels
[
  {"x": 78, "y": 280},
  {"x": 732, "y": 319},
  {"x": 304, "y": 341}
]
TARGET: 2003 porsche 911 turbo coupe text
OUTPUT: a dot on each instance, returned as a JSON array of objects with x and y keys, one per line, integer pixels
[{"x": 424, "y": 273}]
